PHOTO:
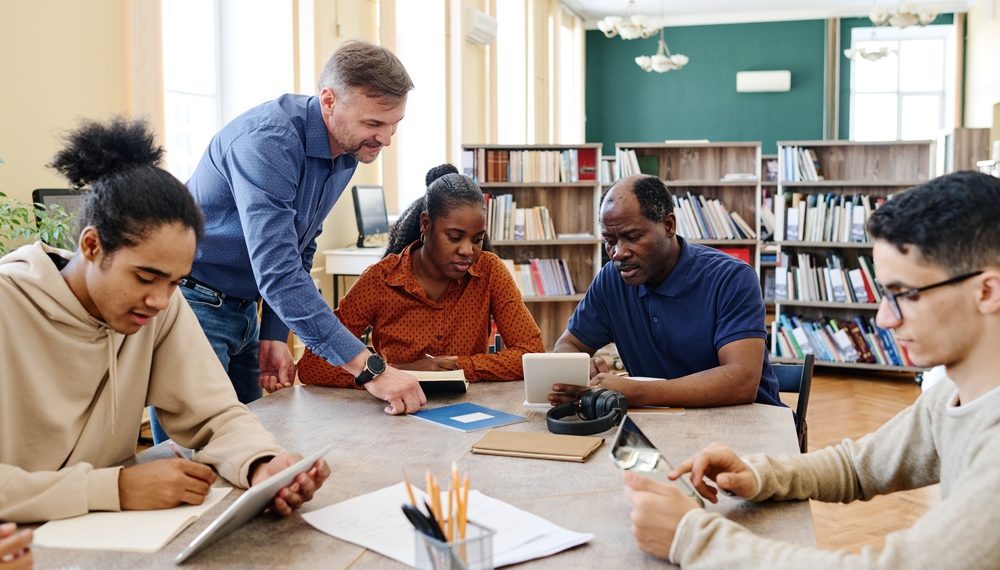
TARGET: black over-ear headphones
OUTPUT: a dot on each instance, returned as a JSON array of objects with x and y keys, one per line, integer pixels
[{"x": 599, "y": 410}]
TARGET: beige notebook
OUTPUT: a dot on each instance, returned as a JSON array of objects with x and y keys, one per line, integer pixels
[
  {"x": 126, "y": 531},
  {"x": 438, "y": 381},
  {"x": 538, "y": 445}
]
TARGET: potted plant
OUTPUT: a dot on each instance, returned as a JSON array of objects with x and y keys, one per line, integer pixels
[{"x": 20, "y": 224}]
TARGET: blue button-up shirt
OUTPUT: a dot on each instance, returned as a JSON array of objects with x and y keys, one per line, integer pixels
[
  {"x": 708, "y": 300},
  {"x": 265, "y": 185}
]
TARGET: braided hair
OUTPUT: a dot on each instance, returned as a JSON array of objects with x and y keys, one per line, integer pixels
[
  {"x": 129, "y": 195},
  {"x": 446, "y": 189}
]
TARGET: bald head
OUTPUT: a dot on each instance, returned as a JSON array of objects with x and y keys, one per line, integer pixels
[{"x": 646, "y": 193}]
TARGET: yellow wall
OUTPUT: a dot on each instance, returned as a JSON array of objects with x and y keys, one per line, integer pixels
[
  {"x": 60, "y": 61},
  {"x": 982, "y": 82}
]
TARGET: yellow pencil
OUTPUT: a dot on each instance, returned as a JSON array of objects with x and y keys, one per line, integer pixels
[
  {"x": 409, "y": 490},
  {"x": 465, "y": 507}
]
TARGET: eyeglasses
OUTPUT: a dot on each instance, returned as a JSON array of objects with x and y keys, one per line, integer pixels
[{"x": 914, "y": 294}]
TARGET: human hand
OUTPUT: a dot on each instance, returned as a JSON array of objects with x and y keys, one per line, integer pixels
[
  {"x": 163, "y": 484},
  {"x": 277, "y": 370},
  {"x": 565, "y": 393},
  {"x": 598, "y": 366},
  {"x": 657, "y": 509},
  {"x": 399, "y": 389},
  {"x": 436, "y": 363},
  {"x": 722, "y": 465},
  {"x": 15, "y": 548},
  {"x": 301, "y": 489}
]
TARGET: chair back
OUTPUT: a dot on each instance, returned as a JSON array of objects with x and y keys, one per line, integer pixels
[{"x": 797, "y": 378}]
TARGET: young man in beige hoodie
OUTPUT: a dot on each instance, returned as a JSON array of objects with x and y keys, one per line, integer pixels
[
  {"x": 937, "y": 257},
  {"x": 87, "y": 339}
]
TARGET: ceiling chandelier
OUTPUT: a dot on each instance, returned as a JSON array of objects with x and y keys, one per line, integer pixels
[
  {"x": 632, "y": 27},
  {"x": 869, "y": 53},
  {"x": 904, "y": 15},
  {"x": 663, "y": 61}
]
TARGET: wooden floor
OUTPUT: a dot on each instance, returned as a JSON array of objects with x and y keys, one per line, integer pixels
[{"x": 848, "y": 406}]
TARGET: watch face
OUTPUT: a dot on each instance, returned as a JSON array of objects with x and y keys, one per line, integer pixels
[{"x": 375, "y": 364}]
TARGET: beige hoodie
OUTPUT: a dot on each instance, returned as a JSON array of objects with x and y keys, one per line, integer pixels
[{"x": 72, "y": 393}]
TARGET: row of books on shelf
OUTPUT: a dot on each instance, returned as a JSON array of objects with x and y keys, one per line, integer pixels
[
  {"x": 799, "y": 164},
  {"x": 547, "y": 166},
  {"x": 828, "y": 217},
  {"x": 505, "y": 221},
  {"x": 541, "y": 277},
  {"x": 608, "y": 172},
  {"x": 848, "y": 340},
  {"x": 831, "y": 282},
  {"x": 766, "y": 215},
  {"x": 707, "y": 218}
]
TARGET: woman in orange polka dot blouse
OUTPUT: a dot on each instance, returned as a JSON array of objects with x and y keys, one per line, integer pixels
[{"x": 430, "y": 299}]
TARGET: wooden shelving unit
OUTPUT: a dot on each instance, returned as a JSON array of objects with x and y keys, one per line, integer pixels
[
  {"x": 573, "y": 207},
  {"x": 699, "y": 168},
  {"x": 877, "y": 169}
]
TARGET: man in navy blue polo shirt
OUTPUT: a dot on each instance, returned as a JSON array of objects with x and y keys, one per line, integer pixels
[{"x": 679, "y": 311}]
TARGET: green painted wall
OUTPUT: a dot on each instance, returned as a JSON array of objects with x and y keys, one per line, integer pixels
[
  {"x": 627, "y": 104},
  {"x": 846, "y": 25}
]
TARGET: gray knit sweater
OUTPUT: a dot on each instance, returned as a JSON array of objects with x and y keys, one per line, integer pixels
[{"x": 932, "y": 441}]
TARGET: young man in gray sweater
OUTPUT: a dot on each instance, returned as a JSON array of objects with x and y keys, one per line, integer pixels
[{"x": 937, "y": 257}]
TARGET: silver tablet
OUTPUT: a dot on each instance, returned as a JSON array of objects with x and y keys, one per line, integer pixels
[
  {"x": 542, "y": 370},
  {"x": 249, "y": 505}
]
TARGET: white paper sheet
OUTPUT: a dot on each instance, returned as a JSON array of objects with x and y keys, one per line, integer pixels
[
  {"x": 376, "y": 522},
  {"x": 126, "y": 531}
]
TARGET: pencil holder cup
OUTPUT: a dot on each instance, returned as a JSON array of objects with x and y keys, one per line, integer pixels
[{"x": 475, "y": 552}]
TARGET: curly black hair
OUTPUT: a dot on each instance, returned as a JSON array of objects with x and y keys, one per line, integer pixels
[
  {"x": 952, "y": 220},
  {"x": 129, "y": 195},
  {"x": 447, "y": 189}
]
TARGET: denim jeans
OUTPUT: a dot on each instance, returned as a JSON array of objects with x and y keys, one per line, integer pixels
[{"x": 232, "y": 329}]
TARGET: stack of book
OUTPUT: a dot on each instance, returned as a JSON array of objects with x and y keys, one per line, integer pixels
[
  {"x": 702, "y": 218},
  {"x": 541, "y": 277},
  {"x": 829, "y": 280},
  {"x": 848, "y": 340},
  {"x": 800, "y": 165},
  {"x": 547, "y": 166},
  {"x": 766, "y": 214},
  {"x": 828, "y": 217},
  {"x": 505, "y": 221}
]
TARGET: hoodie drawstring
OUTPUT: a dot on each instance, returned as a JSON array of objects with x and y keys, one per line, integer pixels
[{"x": 113, "y": 377}]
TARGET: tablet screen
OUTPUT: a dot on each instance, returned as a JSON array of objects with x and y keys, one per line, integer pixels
[
  {"x": 542, "y": 370},
  {"x": 250, "y": 504}
]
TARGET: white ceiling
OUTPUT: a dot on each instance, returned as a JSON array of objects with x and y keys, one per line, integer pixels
[{"x": 696, "y": 12}]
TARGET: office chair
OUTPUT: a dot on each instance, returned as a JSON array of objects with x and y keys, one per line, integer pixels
[{"x": 797, "y": 378}]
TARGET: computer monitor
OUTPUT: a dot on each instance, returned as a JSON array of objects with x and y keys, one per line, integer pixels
[
  {"x": 369, "y": 209},
  {"x": 69, "y": 200}
]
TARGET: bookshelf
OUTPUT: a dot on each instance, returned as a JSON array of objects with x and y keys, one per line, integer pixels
[
  {"x": 563, "y": 179},
  {"x": 701, "y": 169},
  {"x": 825, "y": 290}
]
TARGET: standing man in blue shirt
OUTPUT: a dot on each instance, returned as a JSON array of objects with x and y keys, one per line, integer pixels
[
  {"x": 265, "y": 184},
  {"x": 679, "y": 311}
]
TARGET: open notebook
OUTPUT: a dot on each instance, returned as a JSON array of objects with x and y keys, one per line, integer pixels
[{"x": 126, "y": 531}]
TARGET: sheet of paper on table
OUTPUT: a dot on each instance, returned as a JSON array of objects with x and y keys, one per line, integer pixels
[{"x": 376, "y": 522}]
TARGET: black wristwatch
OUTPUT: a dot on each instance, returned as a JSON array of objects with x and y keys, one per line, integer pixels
[{"x": 374, "y": 366}]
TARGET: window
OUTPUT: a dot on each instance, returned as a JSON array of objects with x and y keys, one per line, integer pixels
[
  {"x": 512, "y": 72},
  {"x": 903, "y": 96},
  {"x": 422, "y": 135},
  {"x": 569, "y": 107},
  {"x": 220, "y": 58}
]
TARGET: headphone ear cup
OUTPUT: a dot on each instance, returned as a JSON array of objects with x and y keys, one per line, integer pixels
[{"x": 589, "y": 403}]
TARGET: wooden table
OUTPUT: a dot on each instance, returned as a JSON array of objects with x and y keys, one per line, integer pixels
[{"x": 371, "y": 449}]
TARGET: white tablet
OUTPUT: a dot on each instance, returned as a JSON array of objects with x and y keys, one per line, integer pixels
[
  {"x": 249, "y": 505},
  {"x": 542, "y": 370}
]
